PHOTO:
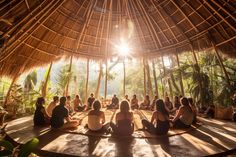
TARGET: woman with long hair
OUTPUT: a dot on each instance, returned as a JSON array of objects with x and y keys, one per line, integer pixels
[
  {"x": 184, "y": 117},
  {"x": 40, "y": 115},
  {"x": 160, "y": 120},
  {"x": 96, "y": 118},
  {"x": 124, "y": 121}
]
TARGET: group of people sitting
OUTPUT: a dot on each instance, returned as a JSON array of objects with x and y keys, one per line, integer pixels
[{"x": 165, "y": 115}]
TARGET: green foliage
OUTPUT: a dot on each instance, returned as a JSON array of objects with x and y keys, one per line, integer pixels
[
  {"x": 9, "y": 150},
  {"x": 27, "y": 148}
]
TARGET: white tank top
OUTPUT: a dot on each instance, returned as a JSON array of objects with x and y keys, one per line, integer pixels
[
  {"x": 187, "y": 117},
  {"x": 94, "y": 122}
]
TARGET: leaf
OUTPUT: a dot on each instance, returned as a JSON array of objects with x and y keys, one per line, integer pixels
[
  {"x": 5, "y": 152},
  {"x": 7, "y": 145},
  {"x": 27, "y": 148}
]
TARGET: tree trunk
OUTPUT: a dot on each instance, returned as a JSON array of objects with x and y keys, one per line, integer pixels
[
  {"x": 198, "y": 71},
  {"x": 44, "y": 88},
  {"x": 144, "y": 77},
  {"x": 155, "y": 79},
  {"x": 68, "y": 79},
  {"x": 124, "y": 77},
  {"x": 87, "y": 80},
  {"x": 9, "y": 90},
  {"x": 170, "y": 88},
  {"x": 150, "y": 92},
  {"x": 180, "y": 75},
  {"x": 106, "y": 81},
  {"x": 99, "y": 81}
]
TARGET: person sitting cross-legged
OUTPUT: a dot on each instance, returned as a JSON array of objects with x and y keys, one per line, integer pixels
[
  {"x": 90, "y": 101},
  {"x": 159, "y": 124},
  {"x": 40, "y": 115},
  {"x": 145, "y": 105},
  {"x": 184, "y": 116},
  {"x": 52, "y": 105},
  {"x": 124, "y": 121},
  {"x": 78, "y": 106},
  {"x": 153, "y": 104},
  {"x": 96, "y": 118},
  {"x": 134, "y": 102},
  {"x": 114, "y": 103},
  {"x": 61, "y": 113}
]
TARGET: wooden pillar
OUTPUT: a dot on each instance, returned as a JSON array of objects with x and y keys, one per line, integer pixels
[
  {"x": 198, "y": 71},
  {"x": 149, "y": 80},
  {"x": 87, "y": 80},
  {"x": 155, "y": 78},
  {"x": 219, "y": 59},
  {"x": 180, "y": 75},
  {"x": 9, "y": 90},
  {"x": 106, "y": 81},
  {"x": 99, "y": 80},
  {"x": 124, "y": 77},
  {"x": 164, "y": 71},
  {"x": 44, "y": 88},
  {"x": 144, "y": 77},
  {"x": 68, "y": 79}
]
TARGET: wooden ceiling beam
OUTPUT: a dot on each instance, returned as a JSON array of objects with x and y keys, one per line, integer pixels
[
  {"x": 167, "y": 24},
  {"x": 49, "y": 12},
  {"x": 226, "y": 11},
  {"x": 149, "y": 24},
  {"x": 12, "y": 8},
  {"x": 213, "y": 9},
  {"x": 28, "y": 18},
  {"x": 187, "y": 18},
  {"x": 27, "y": 4},
  {"x": 87, "y": 19}
]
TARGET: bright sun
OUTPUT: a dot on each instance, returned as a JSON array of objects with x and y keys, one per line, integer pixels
[{"x": 123, "y": 49}]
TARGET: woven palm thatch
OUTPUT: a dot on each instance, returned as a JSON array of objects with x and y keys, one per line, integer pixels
[{"x": 36, "y": 32}]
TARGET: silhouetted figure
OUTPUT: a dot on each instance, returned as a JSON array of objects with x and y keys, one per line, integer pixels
[
  {"x": 145, "y": 105},
  {"x": 61, "y": 113},
  {"x": 134, "y": 102},
  {"x": 78, "y": 106},
  {"x": 114, "y": 103},
  {"x": 127, "y": 98},
  {"x": 124, "y": 121},
  {"x": 160, "y": 120},
  {"x": 152, "y": 106},
  {"x": 90, "y": 101},
  {"x": 40, "y": 114}
]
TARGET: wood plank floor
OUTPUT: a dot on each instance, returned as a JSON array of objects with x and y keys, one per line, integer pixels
[{"x": 212, "y": 137}]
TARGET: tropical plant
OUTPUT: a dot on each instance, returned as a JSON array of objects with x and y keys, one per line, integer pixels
[{"x": 23, "y": 151}]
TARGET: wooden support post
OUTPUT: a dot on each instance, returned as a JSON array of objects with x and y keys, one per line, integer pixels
[
  {"x": 144, "y": 78},
  {"x": 124, "y": 77},
  {"x": 180, "y": 75},
  {"x": 99, "y": 80},
  {"x": 150, "y": 92},
  {"x": 155, "y": 79},
  {"x": 44, "y": 88},
  {"x": 164, "y": 72},
  {"x": 105, "y": 95},
  {"x": 68, "y": 81},
  {"x": 9, "y": 90},
  {"x": 219, "y": 58},
  {"x": 170, "y": 88},
  {"x": 198, "y": 71},
  {"x": 87, "y": 80}
]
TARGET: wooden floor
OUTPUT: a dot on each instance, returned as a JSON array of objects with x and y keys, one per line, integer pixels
[{"x": 208, "y": 138}]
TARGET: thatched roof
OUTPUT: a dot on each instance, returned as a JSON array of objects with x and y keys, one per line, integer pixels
[{"x": 36, "y": 32}]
